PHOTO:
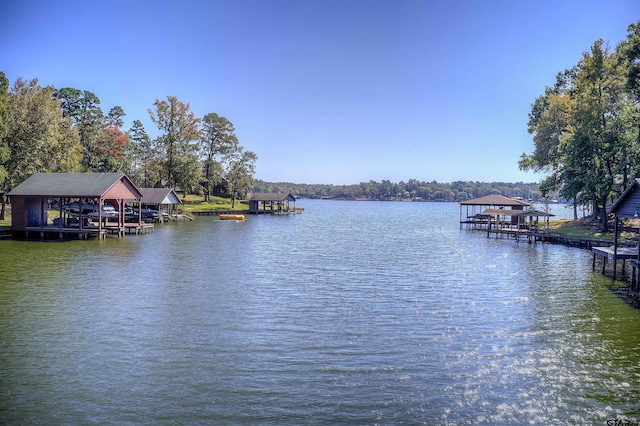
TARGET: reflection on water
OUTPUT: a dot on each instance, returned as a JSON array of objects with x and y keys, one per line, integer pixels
[{"x": 349, "y": 313}]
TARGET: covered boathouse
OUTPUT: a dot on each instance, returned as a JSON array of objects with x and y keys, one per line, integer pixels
[
  {"x": 627, "y": 206},
  {"x": 78, "y": 199},
  {"x": 475, "y": 214},
  {"x": 272, "y": 203},
  {"x": 160, "y": 201}
]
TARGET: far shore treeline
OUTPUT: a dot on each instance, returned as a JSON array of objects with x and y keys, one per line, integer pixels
[
  {"x": 402, "y": 191},
  {"x": 585, "y": 130}
]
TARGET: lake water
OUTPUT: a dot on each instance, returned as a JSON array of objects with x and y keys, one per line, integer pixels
[{"x": 350, "y": 313}]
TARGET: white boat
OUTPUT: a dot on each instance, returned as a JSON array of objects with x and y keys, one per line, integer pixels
[{"x": 107, "y": 212}]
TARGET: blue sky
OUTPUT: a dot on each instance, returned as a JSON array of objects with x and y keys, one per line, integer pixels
[{"x": 325, "y": 91}]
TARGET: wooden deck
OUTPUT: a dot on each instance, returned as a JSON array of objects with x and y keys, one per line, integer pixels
[
  {"x": 55, "y": 232},
  {"x": 518, "y": 234},
  {"x": 609, "y": 254},
  {"x": 547, "y": 237},
  {"x": 297, "y": 210},
  {"x": 131, "y": 228}
]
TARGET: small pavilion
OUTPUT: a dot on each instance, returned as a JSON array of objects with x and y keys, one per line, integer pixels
[
  {"x": 272, "y": 202},
  {"x": 475, "y": 214},
  {"x": 521, "y": 223},
  {"x": 162, "y": 200},
  {"x": 73, "y": 195}
]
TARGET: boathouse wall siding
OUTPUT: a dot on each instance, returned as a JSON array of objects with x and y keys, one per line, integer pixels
[
  {"x": 630, "y": 207},
  {"x": 28, "y": 212},
  {"x": 18, "y": 212},
  {"x": 121, "y": 191}
]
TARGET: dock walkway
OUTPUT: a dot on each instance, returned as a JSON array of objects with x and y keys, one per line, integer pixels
[
  {"x": 297, "y": 210},
  {"x": 131, "y": 228},
  {"x": 614, "y": 255},
  {"x": 533, "y": 236}
]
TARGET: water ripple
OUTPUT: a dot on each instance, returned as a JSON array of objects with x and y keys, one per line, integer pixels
[{"x": 363, "y": 313}]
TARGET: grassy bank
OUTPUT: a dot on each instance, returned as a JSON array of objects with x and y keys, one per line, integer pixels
[
  {"x": 585, "y": 229},
  {"x": 576, "y": 229},
  {"x": 194, "y": 203}
]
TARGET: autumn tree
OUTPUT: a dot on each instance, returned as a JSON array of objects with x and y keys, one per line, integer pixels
[
  {"x": 109, "y": 149},
  {"x": 180, "y": 131},
  {"x": 218, "y": 142}
]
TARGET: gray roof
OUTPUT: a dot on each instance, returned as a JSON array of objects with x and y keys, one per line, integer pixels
[
  {"x": 159, "y": 196},
  {"x": 627, "y": 197},
  {"x": 272, "y": 196},
  {"x": 69, "y": 184}
]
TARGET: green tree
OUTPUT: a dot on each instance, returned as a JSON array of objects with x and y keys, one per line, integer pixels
[
  {"x": 217, "y": 143},
  {"x": 598, "y": 92},
  {"x": 114, "y": 117},
  {"x": 629, "y": 57},
  {"x": 83, "y": 108},
  {"x": 241, "y": 172},
  {"x": 38, "y": 137},
  {"x": 577, "y": 132},
  {"x": 188, "y": 172},
  {"x": 143, "y": 165},
  {"x": 180, "y": 128},
  {"x": 4, "y": 147}
]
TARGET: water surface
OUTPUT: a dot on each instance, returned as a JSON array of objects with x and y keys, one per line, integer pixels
[{"x": 352, "y": 312}]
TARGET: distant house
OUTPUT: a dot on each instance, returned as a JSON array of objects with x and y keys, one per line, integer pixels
[
  {"x": 79, "y": 199},
  {"x": 273, "y": 202},
  {"x": 221, "y": 188}
]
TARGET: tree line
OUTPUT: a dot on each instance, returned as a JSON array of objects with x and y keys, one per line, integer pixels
[
  {"x": 44, "y": 129},
  {"x": 586, "y": 127},
  {"x": 402, "y": 191}
]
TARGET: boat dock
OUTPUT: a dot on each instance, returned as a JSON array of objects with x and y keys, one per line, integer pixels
[
  {"x": 296, "y": 210},
  {"x": 64, "y": 233},
  {"x": 131, "y": 228},
  {"x": 614, "y": 254}
]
